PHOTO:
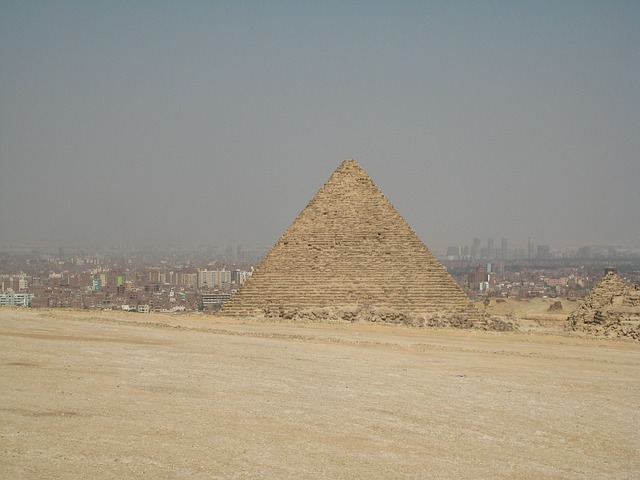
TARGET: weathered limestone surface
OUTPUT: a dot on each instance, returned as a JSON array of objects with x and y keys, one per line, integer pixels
[
  {"x": 612, "y": 309},
  {"x": 350, "y": 255}
]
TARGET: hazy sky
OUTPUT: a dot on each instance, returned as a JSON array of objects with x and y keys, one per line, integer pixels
[{"x": 219, "y": 121}]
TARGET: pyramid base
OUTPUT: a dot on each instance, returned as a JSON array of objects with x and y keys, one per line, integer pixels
[{"x": 468, "y": 319}]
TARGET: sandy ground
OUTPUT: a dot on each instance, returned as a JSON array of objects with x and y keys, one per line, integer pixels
[{"x": 116, "y": 395}]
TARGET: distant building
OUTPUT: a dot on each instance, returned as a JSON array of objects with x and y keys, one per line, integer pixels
[
  {"x": 478, "y": 279},
  {"x": 491, "y": 249},
  {"x": 584, "y": 252},
  {"x": 183, "y": 278},
  {"x": 214, "y": 300},
  {"x": 503, "y": 249},
  {"x": 454, "y": 253},
  {"x": 214, "y": 278},
  {"x": 14, "y": 299},
  {"x": 238, "y": 277},
  {"x": 476, "y": 249},
  {"x": 543, "y": 252}
]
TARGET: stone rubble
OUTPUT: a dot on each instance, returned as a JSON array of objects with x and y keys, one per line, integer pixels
[
  {"x": 476, "y": 320},
  {"x": 612, "y": 309}
]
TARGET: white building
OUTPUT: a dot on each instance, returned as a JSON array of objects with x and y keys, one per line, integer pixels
[{"x": 11, "y": 298}]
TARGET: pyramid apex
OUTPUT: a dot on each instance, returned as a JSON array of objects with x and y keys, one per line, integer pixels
[{"x": 350, "y": 164}]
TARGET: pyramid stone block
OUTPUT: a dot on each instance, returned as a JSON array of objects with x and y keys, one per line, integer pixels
[{"x": 349, "y": 250}]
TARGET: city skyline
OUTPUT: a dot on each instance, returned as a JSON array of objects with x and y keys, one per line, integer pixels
[
  {"x": 216, "y": 124},
  {"x": 169, "y": 284},
  {"x": 474, "y": 249}
]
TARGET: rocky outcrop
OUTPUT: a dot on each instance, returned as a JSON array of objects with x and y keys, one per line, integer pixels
[
  {"x": 612, "y": 309},
  {"x": 350, "y": 254}
]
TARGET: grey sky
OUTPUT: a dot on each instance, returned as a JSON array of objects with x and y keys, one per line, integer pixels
[{"x": 218, "y": 121}]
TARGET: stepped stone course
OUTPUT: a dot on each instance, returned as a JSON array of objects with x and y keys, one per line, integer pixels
[
  {"x": 349, "y": 255},
  {"x": 612, "y": 309}
]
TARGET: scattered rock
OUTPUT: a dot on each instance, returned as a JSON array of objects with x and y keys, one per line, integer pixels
[{"x": 474, "y": 320}]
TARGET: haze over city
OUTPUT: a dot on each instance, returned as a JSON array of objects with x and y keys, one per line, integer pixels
[{"x": 218, "y": 122}]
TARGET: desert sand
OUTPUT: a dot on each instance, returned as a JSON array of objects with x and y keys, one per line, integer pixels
[{"x": 117, "y": 395}]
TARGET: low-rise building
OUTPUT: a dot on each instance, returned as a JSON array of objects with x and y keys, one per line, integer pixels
[{"x": 15, "y": 299}]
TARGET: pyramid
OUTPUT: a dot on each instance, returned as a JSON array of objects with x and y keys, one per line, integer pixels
[
  {"x": 349, "y": 250},
  {"x": 612, "y": 309}
]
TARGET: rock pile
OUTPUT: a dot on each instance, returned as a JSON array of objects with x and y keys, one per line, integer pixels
[
  {"x": 612, "y": 309},
  {"x": 350, "y": 255},
  {"x": 477, "y": 320}
]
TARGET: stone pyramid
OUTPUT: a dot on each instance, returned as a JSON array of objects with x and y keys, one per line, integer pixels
[
  {"x": 349, "y": 250},
  {"x": 612, "y": 309}
]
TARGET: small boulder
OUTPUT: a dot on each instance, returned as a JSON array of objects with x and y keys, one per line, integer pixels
[{"x": 555, "y": 306}]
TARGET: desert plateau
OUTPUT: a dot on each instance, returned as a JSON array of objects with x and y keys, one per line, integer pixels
[{"x": 123, "y": 395}]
